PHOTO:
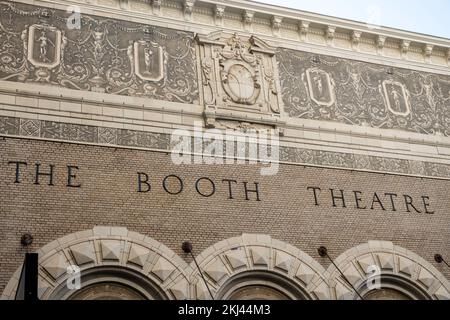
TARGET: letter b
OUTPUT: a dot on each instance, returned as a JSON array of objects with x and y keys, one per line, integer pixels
[{"x": 143, "y": 184}]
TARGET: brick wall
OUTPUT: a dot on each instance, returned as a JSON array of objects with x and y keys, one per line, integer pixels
[{"x": 108, "y": 196}]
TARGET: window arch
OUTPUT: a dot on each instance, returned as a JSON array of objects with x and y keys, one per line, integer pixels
[
  {"x": 256, "y": 266},
  {"x": 393, "y": 288},
  {"x": 381, "y": 270},
  {"x": 261, "y": 285},
  {"x": 111, "y": 283},
  {"x": 110, "y": 258}
]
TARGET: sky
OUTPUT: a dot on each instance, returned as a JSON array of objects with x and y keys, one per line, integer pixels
[{"x": 430, "y": 17}]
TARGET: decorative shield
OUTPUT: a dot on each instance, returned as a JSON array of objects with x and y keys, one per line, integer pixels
[
  {"x": 149, "y": 61},
  {"x": 320, "y": 87},
  {"x": 396, "y": 98},
  {"x": 241, "y": 82},
  {"x": 44, "y": 46}
]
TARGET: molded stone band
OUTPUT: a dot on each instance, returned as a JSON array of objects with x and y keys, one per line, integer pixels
[{"x": 49, "y": 130}]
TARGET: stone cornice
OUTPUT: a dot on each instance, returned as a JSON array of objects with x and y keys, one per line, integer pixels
[
  {"x": 346, "y": 26},
  {"x": 324, "y": 21},
  {"x": 279, "y": 26}
]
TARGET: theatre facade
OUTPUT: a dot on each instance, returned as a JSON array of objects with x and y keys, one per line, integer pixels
[{"x": 255, "y": 132}]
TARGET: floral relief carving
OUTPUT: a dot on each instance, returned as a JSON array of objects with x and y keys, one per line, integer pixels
[
  {"x": 104, "y": 55},
  {"x": 364, "y": 94}
]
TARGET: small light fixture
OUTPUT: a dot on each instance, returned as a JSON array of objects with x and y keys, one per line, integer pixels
[
  {"x": 438, "y": 258},
  {"x": 323, "y": 252},
  {"x": 26, "y": 239},
  {"x": 187, "y": 247}
]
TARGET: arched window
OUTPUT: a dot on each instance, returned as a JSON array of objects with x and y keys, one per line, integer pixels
[
  {"x": 257, "y": 292},
  {"x": 107, "y": 291},
  {"x": 254, "y": 266},
  {"x": 380, "y": 270},
  {"x": 386, "y": 294},
  {"x": 256, "y": 285},
  {"x": 113, "y": 263},
  {"x": 393, "y": 288},
  {"x": 111, "y": 283}
]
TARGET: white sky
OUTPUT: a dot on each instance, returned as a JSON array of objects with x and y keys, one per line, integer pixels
[{"x": 423, "y": 16}]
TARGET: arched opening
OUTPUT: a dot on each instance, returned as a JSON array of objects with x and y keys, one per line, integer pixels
[
  {"x": 259, "y": 285},
  {"x": 255, "y": 266},
  {"x": 114, "y": 263},
  {"x": 111, "y": 283},
  {"x": 107, "y": 291},
  {"x": 386, "y": 294},
  {"x": 393, "y": 288},
  {"x": 380, "y": 270}
]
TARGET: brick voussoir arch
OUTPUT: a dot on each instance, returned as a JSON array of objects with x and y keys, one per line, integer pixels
[
  {"x": 392, "y": 262},
  {"x": 252, "y": 254},
  {"x": 110, "y": 248}
]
